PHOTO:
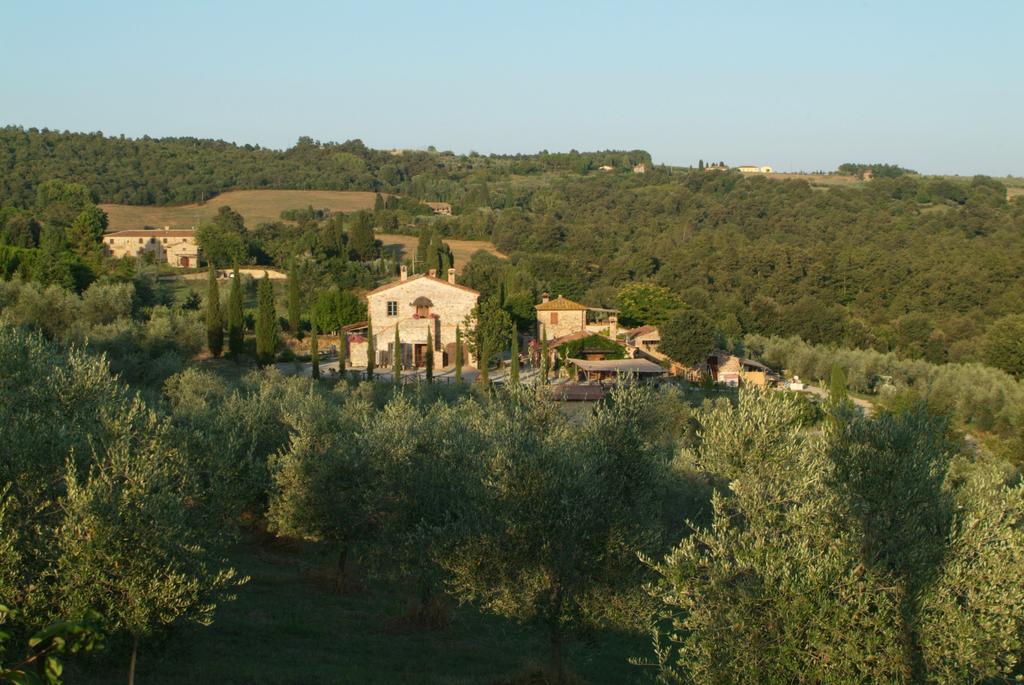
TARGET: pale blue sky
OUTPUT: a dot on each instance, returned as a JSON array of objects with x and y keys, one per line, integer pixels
[{"x": 933, "y": 85}]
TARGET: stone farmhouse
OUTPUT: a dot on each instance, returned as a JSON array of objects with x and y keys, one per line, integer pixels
[
  {"x": 561, "y": 316},
  {"x": 416, "y": 305},
  {"x": 177, "y": 247}
]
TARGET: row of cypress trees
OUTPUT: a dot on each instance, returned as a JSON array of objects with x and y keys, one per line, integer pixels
[{"x": 266, "y": 319}]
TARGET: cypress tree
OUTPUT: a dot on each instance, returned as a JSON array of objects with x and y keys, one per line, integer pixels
[
  {"x": 214, "y": 316},
  {"x": 837, "y": 384},
  {"x": 342, "y": 352},
  {"x": 422, "y": 246},
  {"x": 396, "y": 358},
  {"x": 458, "y": 355},
  {"x": 314, "y": 350},
  {"x": 236, "y": 319},
  {"x": 429, "y": 359},
  {"x": 543, "y": 355},
  {"x": 294, "y": 310},
  {"x": 266, "y": 322},
  {"x": 514, "y": 370},
  {"x": 378, "y": 203},
  {"x": 371, "y": 350}
]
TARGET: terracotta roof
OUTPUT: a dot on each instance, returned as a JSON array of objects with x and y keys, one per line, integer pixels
[
  {"x": 153, "y": 233},
  {"x": 559, "y": 304},
  {"x": 392, "y": 284},
  {"x": 641, "y": 330}
]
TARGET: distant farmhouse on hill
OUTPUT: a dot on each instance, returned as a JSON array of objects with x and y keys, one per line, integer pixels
[
  {"x": 751, "y": 169},
  {"x": 444, "y": 208},
  {"x": 177, "y": 247}
]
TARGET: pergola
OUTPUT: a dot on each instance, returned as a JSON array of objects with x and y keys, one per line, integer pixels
[{"x": 601, "y": 369}]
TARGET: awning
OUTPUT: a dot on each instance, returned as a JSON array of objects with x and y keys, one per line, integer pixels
[{"x": 624, "y": 366}]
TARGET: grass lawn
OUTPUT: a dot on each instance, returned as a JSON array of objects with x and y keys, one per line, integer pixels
[{"x": 288, "y": 627}]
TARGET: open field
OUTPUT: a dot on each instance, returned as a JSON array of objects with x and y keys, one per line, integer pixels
[
  {"x": 288, "y": 625},
  {"x": 462, "y": 249},
  {"x": 257, "y": 206},
  {"x": 829, "y": 180}
]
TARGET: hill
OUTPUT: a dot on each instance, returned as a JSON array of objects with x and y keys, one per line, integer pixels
[{"x": 257, "y": 206}]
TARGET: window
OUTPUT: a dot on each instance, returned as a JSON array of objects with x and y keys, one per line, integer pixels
[
  {"x": 165, "y": 241},
  {"x": 554, "y": 318},
  {"x": 111, "y": 241},
  {"x": 140, "y": 241},
  {"x": 392, "y": 307}
]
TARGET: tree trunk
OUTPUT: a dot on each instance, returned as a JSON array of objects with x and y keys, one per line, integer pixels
[
  {"x": 557, "y": 668},
  {"x": 342, "y": 563},
  {"x": 131, "y": 664}
]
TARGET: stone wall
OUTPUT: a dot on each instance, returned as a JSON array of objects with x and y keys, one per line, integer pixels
[{"x": 568, "y": 321}]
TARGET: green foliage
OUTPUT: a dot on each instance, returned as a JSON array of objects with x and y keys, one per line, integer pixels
[
  {"x": 266, "y": 322},
  {"x": 976, "y": 396},
  {"x": 236, "y": 318},
  {"x": 396, "y": 357},
  {"x": 314, "y": 352},
  {"x": 877, "y": 170},
  {"x": 574, "y": 348},
  {"x": 335, "y": 308},
  {"x": 103, "y": 512},
  {"x": 214, "y": 316},
  {"x": 564, "y": 509},
  {"x": 86, "y": 232},
  {"x": 323, "y": 483},
  {"x": 221, "y": 244},
  {"x": 646, "y": 303},
  {"x": 371, "y": 350},
  {"x": 1004, "y": 344},
  {"x": 688, "y": 336},
  {"x": 294, "y": 302},
  {"x": 840, "y": 556},
  {"x": 362, "y": 245},
  {"x": 513, "y": 372},
  {"x": 837, "y": 384},
  {"x": 428, "y": 358},
  {"x": 42, "y": 666},
  {"x": 488, "y": 329},
  {"x": 458, "y": 355}
]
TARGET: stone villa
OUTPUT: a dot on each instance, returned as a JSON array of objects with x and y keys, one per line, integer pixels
[
  {"x": 417, "y": 304},
  {"x": 177, "y": 247}
]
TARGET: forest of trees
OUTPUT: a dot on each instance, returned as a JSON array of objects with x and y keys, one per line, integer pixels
[{"x": 148, "y": 170}]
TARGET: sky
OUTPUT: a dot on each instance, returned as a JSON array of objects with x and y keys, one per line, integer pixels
[{"x": 935, "y": 86}]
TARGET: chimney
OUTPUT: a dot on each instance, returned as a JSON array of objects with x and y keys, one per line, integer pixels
[
  {"x": 451, "y": 276},
  {"x": 432, "y": 273},
  {"x": 544, "y": 297},
  {"x": 403, "y": 272},
  {"x": 167, "y": 228}
]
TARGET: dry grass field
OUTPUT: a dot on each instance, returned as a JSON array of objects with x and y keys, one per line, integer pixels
[
  {"x": 257, "y": 206},
  {"x": 462, "y": 249},
  {"x": 825, "y": 180}
]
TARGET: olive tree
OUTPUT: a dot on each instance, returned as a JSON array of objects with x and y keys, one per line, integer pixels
[{"x": 564, "y": 511}]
